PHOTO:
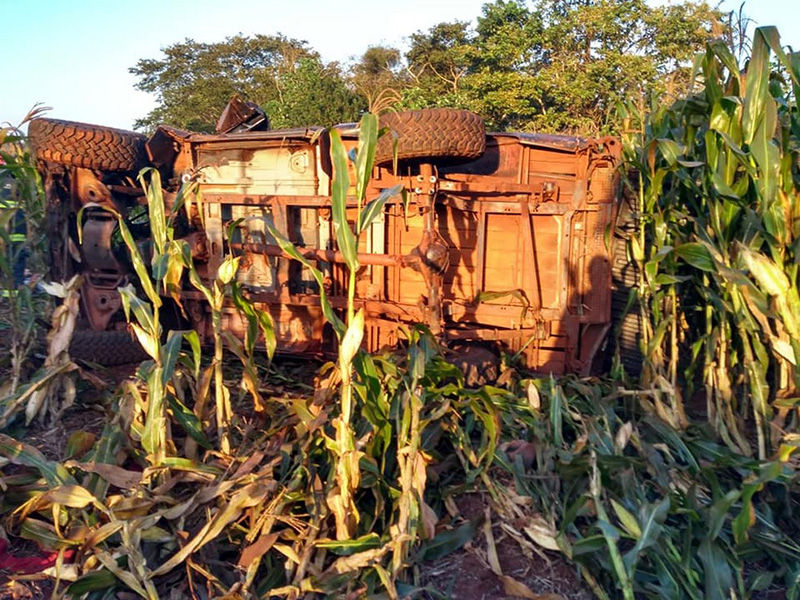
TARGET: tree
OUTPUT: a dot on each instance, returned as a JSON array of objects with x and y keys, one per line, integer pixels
[
  {"x": 437, "y": 62},
  {"x": 313, "y": 94},
  {"x": 535, "y": 65},
  {"x": 378, "y": 75},
  {"x": 559, "y": 65},
  {"x": 194, "y": 81}
]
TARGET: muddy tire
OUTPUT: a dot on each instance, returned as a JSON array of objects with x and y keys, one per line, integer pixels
[
  {"x": 88, "y": 146},
  {"x": 431, "y": 133},
  {"x": 107, "y": 348},
  {"x": 626, "y": 322}
]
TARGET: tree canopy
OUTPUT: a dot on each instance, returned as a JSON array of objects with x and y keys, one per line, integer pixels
[
  {"x": 559, "y": 65},
  {"x": 537, "y": 65},
  {"x": 194, "y": 81}
]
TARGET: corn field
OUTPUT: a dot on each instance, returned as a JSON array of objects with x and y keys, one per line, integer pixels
[
  {"x": 205, "y": 483},
  {"x": 718, "y": 196}
]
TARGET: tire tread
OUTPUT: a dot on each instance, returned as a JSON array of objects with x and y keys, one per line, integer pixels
[{"x": 87, "y": 146}]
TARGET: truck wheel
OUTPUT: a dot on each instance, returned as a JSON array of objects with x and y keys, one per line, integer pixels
[
  {"x": 107, "y": 348},
  {"x": 431, "y": 133},
  {"x": 88, "y": 146},
  {"x": 626, "y": 323}
]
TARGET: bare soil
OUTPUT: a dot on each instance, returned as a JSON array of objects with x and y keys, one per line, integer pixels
[{"x": 467, "y": 575}]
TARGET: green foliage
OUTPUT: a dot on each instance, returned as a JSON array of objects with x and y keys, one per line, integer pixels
[
  {"x": 260, "y": 519},
  {"x": 378, "y": 75},
  {"x": 718, "y": 194},
  {"x": 346, "y": 458},
  {"x": 194, "y": 81},
  {"x": 22, "y": 246},
  {"x": 313, "y": 93},
  {"x": 645, "y": 510},
  {"x": 438, "y": 61},
  {"x": 558, "y": 66},
  {"x": 543, "y": 65}
]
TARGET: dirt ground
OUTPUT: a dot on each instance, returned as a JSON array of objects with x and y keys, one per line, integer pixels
[{"x": 465, "y": 574}]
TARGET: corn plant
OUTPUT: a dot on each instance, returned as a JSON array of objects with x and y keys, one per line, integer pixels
[
  {"x": 719, "y": 198},
  {"x": 21, "y": 211},
  {"x": 22, "y": 248},
  {"x": 645, "y": 510},
  {"x": 351, "y": 333},
  {"x": 170, "y": 260}
]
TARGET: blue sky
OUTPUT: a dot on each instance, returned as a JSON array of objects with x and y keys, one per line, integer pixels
[{"x": 74, "y": 55}]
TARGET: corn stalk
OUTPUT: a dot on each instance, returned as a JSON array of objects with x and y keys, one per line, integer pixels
[
  {"x": 720, "y": 202},
  {"x": 22, "y": 217}
]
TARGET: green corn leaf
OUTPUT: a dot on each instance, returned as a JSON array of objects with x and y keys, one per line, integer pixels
[
  {"x": 757, "y": 86},
  {"x": 94, "y": 581},
  {"x": 169, "y": 356},
  {"x": 627, "y": 519},
  {"x": 790, "y": 62},
  {"x": 670, "y": 150},
  {"x": 154, "y": 435},
  {"x": 341, "y": 184},
  {"x": 155, "y": 209},
  {"x": 189, "y": 421},
  {"x": 375, "y": 207},
  {"x": 138, "y": 264},
  {"x": 770, "y": 277},
  {"x": 124, "y": 575},
  {"x": 185, "y": 464},
  {"x": 718, "y": 574},
  {"x": 589, "y": 546},
  {"x": 557, "y": 405},
  {"x": 143, "y": 313},
  {"x": 159, "y": 265},
  {"x": 573, "y": 511},
  {"x": 720, "y": 120},
  {"x": 651, "y": 519},
  {"x": 44, "y": 534},
  {"x": 760, "y": 582},
  {"x": 349, "y": 547},
  {"x": 696, "y": 255},
  {"x": 742, "y": 522},
  {"x": 194, "y": 343},
  {"x": 767, "y": 154},
  {"x": 447, "y": 542},
  {"x": 103, "y": 452},
  {"x": 365, "y": 157},
  {"x": 268, "y": 331},
  {"x": 227, "y": 270},
  {"x": 722, "y": 187},
  {"x": 28, "y": 456},
  {"x": 718, "y": 513},
  {"x": 674, "y": 440},
  {"x": 78, "y": 444},
  {"x": 723, "y": 52},
  {"x": 610, "y": 533}
]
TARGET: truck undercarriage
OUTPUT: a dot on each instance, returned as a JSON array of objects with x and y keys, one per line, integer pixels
[{"x": 501, "y": 239}]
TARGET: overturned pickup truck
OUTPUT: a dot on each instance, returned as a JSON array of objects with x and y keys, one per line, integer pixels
[{"x": 504, "y": 242}]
